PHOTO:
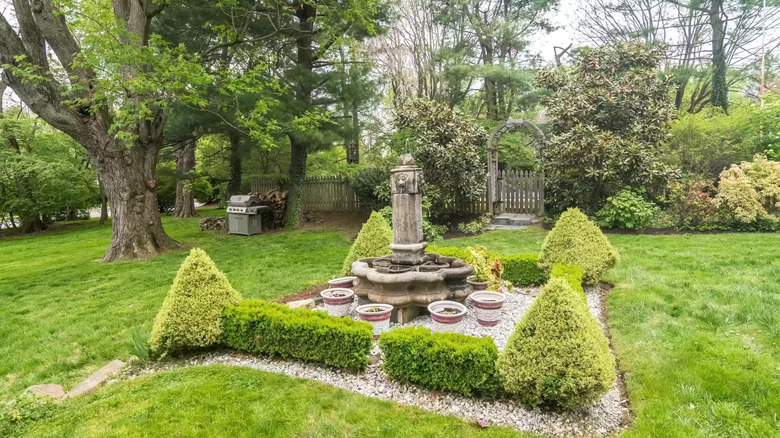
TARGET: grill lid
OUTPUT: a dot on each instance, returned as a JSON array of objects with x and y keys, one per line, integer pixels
[{"x": 244, "y": 201}]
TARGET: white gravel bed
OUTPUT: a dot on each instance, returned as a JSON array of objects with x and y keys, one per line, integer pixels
[{"x": 607, "y": 416}]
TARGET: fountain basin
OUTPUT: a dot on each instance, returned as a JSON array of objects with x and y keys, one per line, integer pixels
[{"x": 411, "y": 287}]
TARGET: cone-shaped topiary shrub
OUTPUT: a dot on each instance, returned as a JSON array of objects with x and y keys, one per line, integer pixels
[
  {"x": 190, "y": 316},
  {"x": 558, "y": 355},
  {"x": 373, "y": 240},
  {"x": 575, "y": 240}
]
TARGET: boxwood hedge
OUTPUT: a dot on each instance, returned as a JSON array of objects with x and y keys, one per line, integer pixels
[
  {"x": 450, "y": 361},
  {"x": 271, "y": 328},
  {"x": 571, "y": 273},
  {"x": 522, "y": 269}
]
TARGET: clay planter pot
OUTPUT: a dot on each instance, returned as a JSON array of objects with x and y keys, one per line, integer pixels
[
  {"x": 447, "y": 315},
  {"x": 476, "y": 285},
  {"x": 378, "y": 315},
  {"x": 337, "y": 300},
  {"x": 343, "y": 282},
  {"x": 487, "y": 306}
]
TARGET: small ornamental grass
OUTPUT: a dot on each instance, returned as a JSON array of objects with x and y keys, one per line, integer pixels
[
  {"x": 373, "y": 240},
  {"x": 522, "y": 269},
  {"x": 271, "y": 328},
  {"x": 450, "y": 361},
  {"x": 575, "y": 240},
  {"x": 558, "y": 355},
  {"x": 190, "y": 315}
]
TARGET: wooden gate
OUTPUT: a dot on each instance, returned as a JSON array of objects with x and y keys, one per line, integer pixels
[{"x": 520, "y": 192}]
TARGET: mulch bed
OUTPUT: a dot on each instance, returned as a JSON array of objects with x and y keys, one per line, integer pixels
[{"x": 312, "y": 292}]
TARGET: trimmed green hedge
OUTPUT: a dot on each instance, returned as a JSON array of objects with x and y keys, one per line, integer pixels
[
  {"x": 448, "y": 251},
  {"x": 522, "y": 269},
  {"x": 271, "y": 328},
  {"x": 451, "y": 361},
  {"x": 571, "y": 273},
  {"x": 558, "y": 354}
]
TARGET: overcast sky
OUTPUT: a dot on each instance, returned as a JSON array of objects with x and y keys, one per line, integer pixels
[{"x": 543, "y": 43}]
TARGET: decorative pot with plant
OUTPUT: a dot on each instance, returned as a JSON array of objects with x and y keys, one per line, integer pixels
[
  {"x": 447, "y": 315},
  {"x": 342, "y": 282},
  {"x": 487, "y": 306},
  {"x": 487, "y": 269},
  {"x": 378, "y": 315},
  {"x": 337, "y": 300}
]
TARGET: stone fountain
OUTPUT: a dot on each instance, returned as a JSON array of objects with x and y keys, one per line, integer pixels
[{"x": 409, "y": 278}]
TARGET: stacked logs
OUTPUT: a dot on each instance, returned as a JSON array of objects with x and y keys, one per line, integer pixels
[
  {"x": 276, "y": 200},
  {"x": 213, "y": 224}
]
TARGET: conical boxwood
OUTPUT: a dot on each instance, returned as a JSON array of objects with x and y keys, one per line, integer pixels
[
  {"x": 373, "y": 240},
  {"x": 190, "y": 316},
  {"x": 575, "y": 240},
  {"x": 558, "y": 355}
]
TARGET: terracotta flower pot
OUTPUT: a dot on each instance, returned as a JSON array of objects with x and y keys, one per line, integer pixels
[
  {"x": 337, "y": 300},
  {"x": 447, "y": 315},
  {"x": 343, "y": 282},
  {"x": 476, "y": 285},
  {"x": 487, "y": 306},
  {"x": 378, "y": 315}
]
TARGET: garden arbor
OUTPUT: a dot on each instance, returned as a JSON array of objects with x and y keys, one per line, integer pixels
[{"x": 494, "y": 181}]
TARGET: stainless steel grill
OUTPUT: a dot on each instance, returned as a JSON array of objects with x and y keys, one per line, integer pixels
[{"x": 243, "y": 213}]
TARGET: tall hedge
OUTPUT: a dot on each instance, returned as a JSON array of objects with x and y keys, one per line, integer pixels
[
  {"x": 450, "y": 361},
  {"x": 558, "y": 354},
  {"x": 271, "y": 328},
  {"x": 575, "y": 240},
  {"x": 373, "y": 240},
  {"x": 190, "y": 315}
]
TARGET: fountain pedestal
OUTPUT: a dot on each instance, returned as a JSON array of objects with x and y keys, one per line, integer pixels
[{"x": 409, "y": 278}]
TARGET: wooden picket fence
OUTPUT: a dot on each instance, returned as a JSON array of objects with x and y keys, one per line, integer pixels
[
  {"x": 520, "y": 192},
  {"x": 321, "y": 193}
]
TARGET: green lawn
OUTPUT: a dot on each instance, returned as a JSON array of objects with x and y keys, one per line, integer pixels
[{"x": 695, "y": 320}]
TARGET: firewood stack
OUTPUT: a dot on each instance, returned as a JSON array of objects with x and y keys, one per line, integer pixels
[
  {"x": 213, "y": 224},
  {"x": 277, "y": 202}
]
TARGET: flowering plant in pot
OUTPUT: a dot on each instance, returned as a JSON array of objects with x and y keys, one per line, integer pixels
[
  {"x": 378, "y": 315},
  {"x": 487, "y": 306},
  {"x": 342, "y": 282},
  {"x": 337, "y": 300},
  {"x": 487, "y": 269},
  {"x": 447, "y": 315}
]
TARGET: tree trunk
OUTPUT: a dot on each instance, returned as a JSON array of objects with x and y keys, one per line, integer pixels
[
  {"x": 298, "y": 150},
  {"x": 128, "y": 174},
  {"x": 353, "y": 149},
  {"x": 103, "y": 202},
  {"x": 185, "y": 163},
  {"x": 720, "y": 87},
  {"x": 234, "y": 185},
  {"x": 296, "y": 182}
]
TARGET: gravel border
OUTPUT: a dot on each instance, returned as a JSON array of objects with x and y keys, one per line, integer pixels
[{"x": 607, "y": 416}]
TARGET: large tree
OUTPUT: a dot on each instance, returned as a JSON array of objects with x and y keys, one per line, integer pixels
[
  {"x": 111, "y": 98},
  {"x": 705, "y": 39},
  {"x": 607, "y": 117}
]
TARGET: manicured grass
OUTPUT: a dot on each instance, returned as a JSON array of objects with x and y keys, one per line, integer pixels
[
  {"x": 695, "y": 321},
  {"x": 64, "y": 313},
  {"x": 221, "y": 401}
]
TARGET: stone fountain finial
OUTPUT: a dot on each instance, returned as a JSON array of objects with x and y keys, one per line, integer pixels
[{"x": 406, "y": 189}]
